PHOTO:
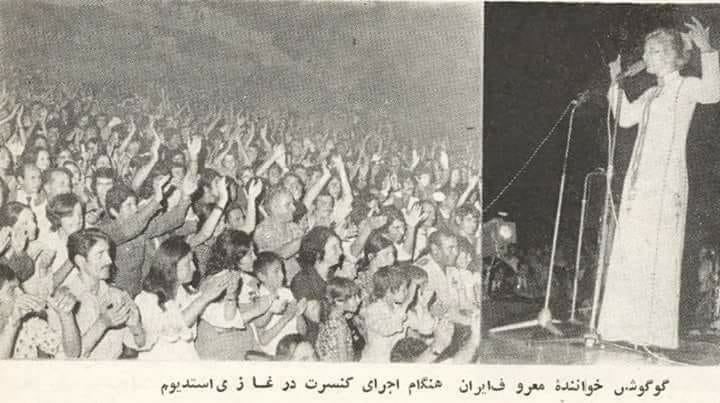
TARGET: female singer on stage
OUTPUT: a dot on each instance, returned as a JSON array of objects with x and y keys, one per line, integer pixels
[{"x": 641, "y": 299}]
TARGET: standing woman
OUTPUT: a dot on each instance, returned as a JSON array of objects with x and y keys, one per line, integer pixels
[{"x": 640, "y": 303}]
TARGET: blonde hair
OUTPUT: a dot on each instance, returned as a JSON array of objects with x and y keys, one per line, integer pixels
[{"x": 673, "y": 39}]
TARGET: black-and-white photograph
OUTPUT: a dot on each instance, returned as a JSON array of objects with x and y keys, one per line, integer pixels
[
  {"x": 218, "y": 180},
  {"x": 600, "y": 143},
  {"x": 368, "y": 182}
]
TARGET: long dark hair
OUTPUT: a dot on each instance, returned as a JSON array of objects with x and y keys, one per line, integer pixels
[
  {"x": 162, "y": 279},
  {"x": 374, "y": 244},
  {"x": 312, "y": 246},
  {"x": 227, "y": 251}
]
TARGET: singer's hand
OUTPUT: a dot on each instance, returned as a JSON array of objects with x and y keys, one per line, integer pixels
[
  {"x": 699, "y": 35},
  {"x": 615, "y": 69}
]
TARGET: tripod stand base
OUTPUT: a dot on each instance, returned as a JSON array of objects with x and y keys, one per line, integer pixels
[{"x": 543, "y": 320}]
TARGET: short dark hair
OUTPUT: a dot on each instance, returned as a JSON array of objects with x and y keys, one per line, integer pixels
[
  {"x": 116, "y": 196},
  {"x": 287, "y": 345},
  {"x": 80, "y": 242},
  {"x": 434, "y": 238},
  {"x": 47, "y": 176},
  {"x": 61, "y": 206},
  {"x": 102, "y": 173},
  {"x": 388, "y": 279},
  {"x": 264, "y": 260},
  {"x": 10, "y": 212},
  {"x": 407, "y": 349}
]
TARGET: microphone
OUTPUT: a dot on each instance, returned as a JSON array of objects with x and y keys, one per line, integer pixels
[{"x": 632, "y": 70}]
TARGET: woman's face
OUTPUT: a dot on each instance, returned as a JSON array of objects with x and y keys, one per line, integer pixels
[
  {"x": 246, "y": 263},
  {"x": 236, "y": 219},
  {"x": 396, "y": 231},
  {"x": 334, "y": 188},
  {"x": 384, "y": 258},
  {"x": 74, "y": 222},
  {"x": 26, "y": 226},
  {"x": 43, "y": 160},
  {"x": 185, "y": 269},
  {"x": 659, "y": 57},
  {"x": 333, "y": 251}
]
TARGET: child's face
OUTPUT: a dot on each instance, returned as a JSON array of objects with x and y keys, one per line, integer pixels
[
  {"x": 274, "y": 276},
  {"x": 399, "y": 296},
  {"x": 351, "y": 304},
  {"x": 463, "y": 260}
]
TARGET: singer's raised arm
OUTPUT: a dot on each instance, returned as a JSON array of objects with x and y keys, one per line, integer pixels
[{"x": 706, "y": 90}]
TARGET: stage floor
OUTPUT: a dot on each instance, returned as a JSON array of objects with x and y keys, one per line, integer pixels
[{"x": 538, "y": 346}]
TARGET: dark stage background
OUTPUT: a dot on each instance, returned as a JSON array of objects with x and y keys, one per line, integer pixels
[{"x": 537, "y": 58}]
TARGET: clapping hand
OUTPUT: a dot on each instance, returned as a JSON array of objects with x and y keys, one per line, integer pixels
[{"x": 62, "y": 301}]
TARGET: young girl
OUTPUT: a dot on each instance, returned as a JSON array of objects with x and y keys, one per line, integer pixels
[
  {"x": 386, "y": 317},
  {"x": 379, "y": 252},
  {"x": 23, "y": 334},
  {"x": 420, "y": 321},
  {"x": 335, "y": 341},
  {"x": 268, "y": 331},
  {"x": 222, "y": 332},
  {"x": 170, "y": 307}
]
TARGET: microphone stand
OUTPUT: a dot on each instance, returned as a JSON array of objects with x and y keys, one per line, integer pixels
[
  {"x": 578, "y": 254},
  {"x": 544, "y": 318},
  {"x": 591, "y": 337}
]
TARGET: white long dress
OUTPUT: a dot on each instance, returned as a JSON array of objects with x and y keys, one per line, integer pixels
[{"x": 642, "y": 289}]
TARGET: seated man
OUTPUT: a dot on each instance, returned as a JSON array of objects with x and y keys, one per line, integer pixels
[{"x": 107, "y": 317}]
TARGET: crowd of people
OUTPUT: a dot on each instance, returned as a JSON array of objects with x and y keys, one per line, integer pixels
[{"x": 166, "y": 227}]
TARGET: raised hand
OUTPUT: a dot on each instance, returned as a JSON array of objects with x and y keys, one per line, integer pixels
[
  {"x": 615, "y": 68},
  {"x": 256, "y": 187},
  {"x": 414, "y": 215},
  {"x": 213, "y": 286},
  {"x": 158, "y": 185},
  {"x": 194, "y": 145},
  {"x": 699, "y": 35},
  {"x": 25, "y": 304},
  {"x": 114, "y": 315}
]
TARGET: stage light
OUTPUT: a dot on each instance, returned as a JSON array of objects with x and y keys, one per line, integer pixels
[
  {"x": 505, "y": 232},
  {"x": 497, "y": 234}
]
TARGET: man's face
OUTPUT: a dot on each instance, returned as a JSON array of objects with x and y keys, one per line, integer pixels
[
  {"x": 324, "y": 205},
  {"x": 468, "y": 224},
  {"x": 128, "y": 208},
  {"x": 98, "y": 261},
  {"x": 283, "y": 208},
  {"x": 446, "y": 253},
  {"x": 59, "y": 183}
]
